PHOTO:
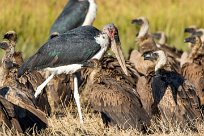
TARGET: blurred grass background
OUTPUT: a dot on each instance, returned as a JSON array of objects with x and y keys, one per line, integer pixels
[{"x": 32, "y": 19}]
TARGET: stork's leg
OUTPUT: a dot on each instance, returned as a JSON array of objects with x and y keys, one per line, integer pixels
[
  {"x": 40, "y": 88},
  {"x": 76, "y": 97}
]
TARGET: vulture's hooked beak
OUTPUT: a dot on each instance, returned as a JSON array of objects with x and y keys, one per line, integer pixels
[
  {"x": 137, "y": 21},
  {"x": 190, "y": 30},
  {"x": 4, "y": 45},
  {"x": 10, "y": 35},
  {"x": 191, "y": 39},
  {"x": 150, "y": 56}
]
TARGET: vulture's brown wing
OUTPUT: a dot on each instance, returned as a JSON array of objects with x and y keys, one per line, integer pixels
[{"x": 119, "y": 105}]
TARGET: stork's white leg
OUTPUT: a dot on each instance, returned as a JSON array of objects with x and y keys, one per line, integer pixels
[
  {"x": 77, "y": 99},
  {"x": 40, "y": 88}
]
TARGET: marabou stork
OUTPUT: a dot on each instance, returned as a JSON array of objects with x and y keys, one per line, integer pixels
[
  {"x": 69, "y": 52},
  {"x": 74, "y": 14}
]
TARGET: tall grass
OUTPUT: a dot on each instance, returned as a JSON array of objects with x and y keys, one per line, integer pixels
[{"x": 33, "y": 19}]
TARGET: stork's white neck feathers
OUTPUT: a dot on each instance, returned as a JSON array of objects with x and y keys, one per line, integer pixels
[
  {"x": 104, "y": 42},
  {"x": 91, "y": 15},
  {"x": 162, "y": 60},
  {"x": 144, "y": 29}
]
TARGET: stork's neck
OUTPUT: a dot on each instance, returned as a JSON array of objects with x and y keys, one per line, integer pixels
[
  {"x": 91, "y": 14},
  {"x": 162, "y": 60},
  {"x": 143, "y": 30},
  {"x": 103, "y": 40}
]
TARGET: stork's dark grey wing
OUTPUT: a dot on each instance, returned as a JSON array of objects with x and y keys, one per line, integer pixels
[
  {"x": 72, "y": 16},
  {"x": 74, "y": 47}
]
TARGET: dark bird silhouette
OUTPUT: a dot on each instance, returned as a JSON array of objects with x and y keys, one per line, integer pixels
[{"x": 75, "y": 14}]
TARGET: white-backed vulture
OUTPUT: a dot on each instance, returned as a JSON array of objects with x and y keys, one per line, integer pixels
[
  {"x": 8, "y": 71},
  {"x": 147, "y": 44}
]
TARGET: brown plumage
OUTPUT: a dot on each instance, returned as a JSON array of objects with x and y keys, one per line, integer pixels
[
  {"x": 171, "y": 98},
  {"x": 142, "y": 66},
  {"x": 193, "y": 70},
  {"x": 144, "y": 38},
  {"x": 18, "y": 111},
  {"x": 147, "y": 44},
  {"x": 59, "y": 92},
  {"x": 8, "y": 71},
  {"x": 162, "y": 45},
  {"x": 111, "y": 93}
]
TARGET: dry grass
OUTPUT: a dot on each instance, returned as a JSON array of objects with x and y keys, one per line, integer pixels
[{"x": 93, "y": 126}]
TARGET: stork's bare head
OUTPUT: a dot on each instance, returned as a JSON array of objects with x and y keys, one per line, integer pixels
[{"x": 112, "y": 32}]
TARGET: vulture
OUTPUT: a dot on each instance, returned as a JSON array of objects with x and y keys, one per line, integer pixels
[
  {"x": 162, "y": 44},
  {"x": 193, "y": 70},
  {"x": 11, "y": 61},
  {"x": 17, "y": 111},
  {"x": 174, "y": 99},
  {"x": 112, "y": 93},
  {"x": 146, "y": 44}
]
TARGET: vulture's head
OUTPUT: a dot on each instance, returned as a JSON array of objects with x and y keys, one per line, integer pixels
[
  {"x": 160, "y": 36},
  {"x": 11, "y": 36},
  {"x": 190, "y": 29},
  {"x": 144, "y": 26},
  {"x": 193, "y": 40}
]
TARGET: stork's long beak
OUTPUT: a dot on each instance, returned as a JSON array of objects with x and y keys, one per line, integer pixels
[
  {"x": 116, "y": 48},
  {"x": 4, "y": 45}
]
